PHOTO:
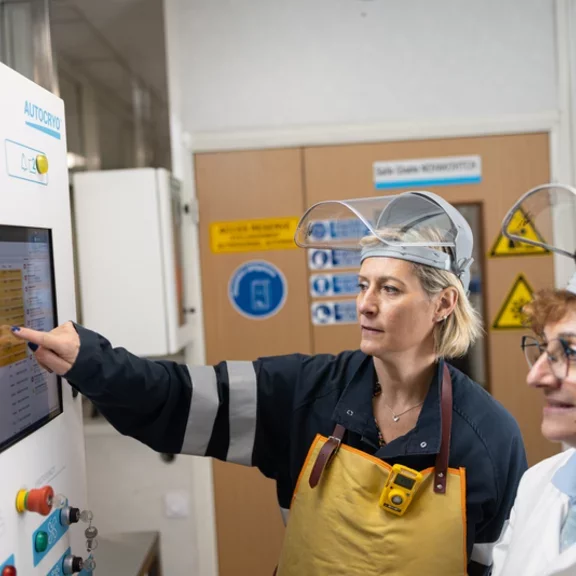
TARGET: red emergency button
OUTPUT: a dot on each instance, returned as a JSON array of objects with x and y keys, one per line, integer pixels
[
  {"x": 9, "y": 571},
  {"x": 39, "y": 500}
]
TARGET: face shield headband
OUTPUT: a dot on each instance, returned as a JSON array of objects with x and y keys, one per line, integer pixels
[{"x": 419, "y": 227}]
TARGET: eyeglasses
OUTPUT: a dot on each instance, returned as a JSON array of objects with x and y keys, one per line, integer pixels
[{"x": 559, "y": 353}]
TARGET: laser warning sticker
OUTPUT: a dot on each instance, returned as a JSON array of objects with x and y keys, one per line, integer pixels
[
  {"x": 253, "y": 235},
  {"x": 520, "y": 225},
  {"x": 510, "y": 316}
]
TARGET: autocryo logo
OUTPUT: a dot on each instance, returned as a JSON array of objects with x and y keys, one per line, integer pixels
[{"x": 42, "y": 120}]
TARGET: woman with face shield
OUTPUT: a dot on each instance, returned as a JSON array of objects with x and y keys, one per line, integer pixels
[
  {"x": 387, "y": 460},
  {"x": 539, "y": 539}
]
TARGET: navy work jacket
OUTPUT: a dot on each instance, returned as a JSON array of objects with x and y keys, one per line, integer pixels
[{"x": 266, "y": 413}]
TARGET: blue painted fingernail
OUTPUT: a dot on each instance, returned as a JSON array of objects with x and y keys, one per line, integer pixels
[
  {"x": 15, "y": 328},
  {"x": 32, "y": 346}
]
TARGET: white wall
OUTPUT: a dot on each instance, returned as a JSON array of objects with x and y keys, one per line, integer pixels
[
  {"x": 270, "y": 63},
  {"x": 127, "y": 485}
]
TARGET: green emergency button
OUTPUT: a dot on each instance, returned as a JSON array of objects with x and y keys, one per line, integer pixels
[{"x": 41, "y": 541}]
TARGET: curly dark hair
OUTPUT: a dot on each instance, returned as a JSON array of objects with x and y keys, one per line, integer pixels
[{"x": 548, "y": 306}]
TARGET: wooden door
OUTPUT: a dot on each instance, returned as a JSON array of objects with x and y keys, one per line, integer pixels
[{"x": 233, "y": 187}]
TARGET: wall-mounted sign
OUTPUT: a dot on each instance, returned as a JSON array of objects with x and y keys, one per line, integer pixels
[
  {"x": 257, "y": 290},
  {"x": 253, "y": 235},
  {"x": 521, "y": 226},
  {"x": 338, "y": 312},
  {"x": 510, "y": 315},
  {"x": 420, "y": 172},
  {"x": 333, "y": 285},
  {"x": 321, "y": 230},
  {"x": 333, "y": 259}
]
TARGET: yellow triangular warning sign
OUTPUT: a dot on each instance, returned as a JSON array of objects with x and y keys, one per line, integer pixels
[
  {"x": 510, "y": 315},
  {"x": 520, "y": 225}
]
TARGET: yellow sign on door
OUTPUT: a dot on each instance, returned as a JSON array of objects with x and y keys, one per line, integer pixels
[
  {"x": 521, "y": 226},
  {"x": 511, "y": 316},
  {"x": 253, "y": 235}
]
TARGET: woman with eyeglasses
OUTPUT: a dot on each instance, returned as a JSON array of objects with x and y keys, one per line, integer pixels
[{"x": 540, "y": 537}]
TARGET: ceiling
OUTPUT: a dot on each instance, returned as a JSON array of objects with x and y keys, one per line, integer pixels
[{"x": 112, "y": 42}]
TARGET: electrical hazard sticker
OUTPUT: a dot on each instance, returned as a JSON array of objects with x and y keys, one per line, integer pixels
[
  {"x": 511, "y": 315},
  {"x": 521, "y": 226}
]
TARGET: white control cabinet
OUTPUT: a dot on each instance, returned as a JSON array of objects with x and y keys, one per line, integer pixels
[
  {"x": 41, "y": 432},
  {"x": 129, "y": 254}
]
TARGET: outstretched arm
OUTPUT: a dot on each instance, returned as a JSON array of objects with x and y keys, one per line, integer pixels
[{"x": 234, "y": 411}]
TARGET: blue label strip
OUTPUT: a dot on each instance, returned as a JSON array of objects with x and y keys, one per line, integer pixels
[
  {"x": 432, "y": 182},
  {"x": 44, "y": 129},
  {"x": 54, "y": 529},
  {"x": 57, "y": 569},
  {"x": 10, "y": 562}
]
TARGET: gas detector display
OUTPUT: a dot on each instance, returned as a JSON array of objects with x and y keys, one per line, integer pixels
[
  {"x": 29, "y": 395},
  {"x": 403, "y": 481}
]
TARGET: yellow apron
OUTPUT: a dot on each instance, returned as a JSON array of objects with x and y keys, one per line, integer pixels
[{"x": 337, "y": 528}]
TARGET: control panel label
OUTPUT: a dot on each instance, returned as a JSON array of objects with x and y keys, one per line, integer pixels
[
  {"x": 58, "y": 568},
  {"x": 52, "y": 530},
  {"x": 10, "y": 562},
  {"x": 22, "y": 162}
]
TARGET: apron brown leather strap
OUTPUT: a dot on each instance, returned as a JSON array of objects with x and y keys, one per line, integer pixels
[
  {"x": 326, "y": 453},
  {"x": 441, "y": 467},
  {"x": 332, "y": 445}
]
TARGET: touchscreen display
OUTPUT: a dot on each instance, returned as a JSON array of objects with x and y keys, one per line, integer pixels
[{"x": 29, "y": 395}]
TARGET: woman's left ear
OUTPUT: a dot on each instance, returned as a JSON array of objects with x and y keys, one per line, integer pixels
[{"x": 446, "y": 303}]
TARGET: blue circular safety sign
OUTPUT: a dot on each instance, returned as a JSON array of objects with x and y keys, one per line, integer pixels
[
  {"x": 319, "y": 258},
  {"x": 257, "y": 290},
  {"x": 322, "y": 314},
  {"x": 322, "y": 285},
  {"x": 318, "y": 230}
]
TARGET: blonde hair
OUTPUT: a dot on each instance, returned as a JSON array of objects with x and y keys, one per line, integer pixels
[{"x": 454, "y": 336}]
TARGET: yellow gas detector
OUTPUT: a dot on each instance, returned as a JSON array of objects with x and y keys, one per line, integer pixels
[{"x": 400, "y": 488}]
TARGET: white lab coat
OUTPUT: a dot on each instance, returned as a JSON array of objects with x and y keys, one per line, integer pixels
[{"x": 530, "y": 543}]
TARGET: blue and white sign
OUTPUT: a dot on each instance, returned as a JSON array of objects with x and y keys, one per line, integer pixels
[
  {"x": 337, "y": 312},
  {"x": 321, "y": 230},
  {"x": 427, "y": 172},
  {"x": 257, "y": 290},
  {"x": 333, "y": 259},
  {"x": 333, "y": 285}
]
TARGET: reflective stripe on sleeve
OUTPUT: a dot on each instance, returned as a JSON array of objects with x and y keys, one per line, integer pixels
[
  {"x": 203, "y": 410},
  {"x": 242, "y": 411},
  {"x": 482, "y": 553}
]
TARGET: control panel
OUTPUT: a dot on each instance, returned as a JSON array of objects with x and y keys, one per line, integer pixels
[{"x": 45, "y": 526}]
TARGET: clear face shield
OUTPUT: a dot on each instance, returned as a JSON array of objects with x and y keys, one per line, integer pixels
[
  {"x": 419, "y": 227},
  {"x": 545, "y": 217}
]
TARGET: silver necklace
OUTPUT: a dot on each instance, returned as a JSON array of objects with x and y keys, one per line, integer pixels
[{"x": 395, "y": 416}]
